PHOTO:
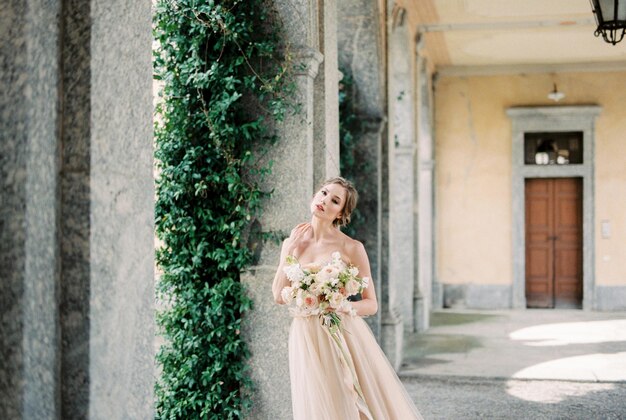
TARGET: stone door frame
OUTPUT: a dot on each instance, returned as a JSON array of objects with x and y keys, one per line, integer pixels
[{"x": 552, "y": 119}]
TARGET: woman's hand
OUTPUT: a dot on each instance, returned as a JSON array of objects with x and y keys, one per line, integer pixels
[{"x": 297, "y": 235}]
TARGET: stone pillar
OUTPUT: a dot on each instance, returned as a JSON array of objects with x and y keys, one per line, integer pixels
[
  {"x": 121, "y": 311},
  {"x": 326, "y": 97},
  {"x": 29, "y": 108},
  {"x": 359, "y": 39},
  {"x": 401, "y": 171},
  {"x": 266, "y": 327},
  {"x": 425, "y": 165},
  {"x": 77, "y": 210}
]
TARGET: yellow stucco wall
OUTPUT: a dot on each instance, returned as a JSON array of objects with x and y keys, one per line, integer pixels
[{"x": 473, "y": 170}]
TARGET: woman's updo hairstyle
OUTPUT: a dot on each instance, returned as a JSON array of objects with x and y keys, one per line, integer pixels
[{"x": 349, "y": 205}]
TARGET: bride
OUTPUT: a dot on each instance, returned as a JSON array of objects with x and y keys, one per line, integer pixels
[{"x": 350, "y": 378}]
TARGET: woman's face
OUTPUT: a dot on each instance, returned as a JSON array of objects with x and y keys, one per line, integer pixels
[{"x": 328, "y": 202}]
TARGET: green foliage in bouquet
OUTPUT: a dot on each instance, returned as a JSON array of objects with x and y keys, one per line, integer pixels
[{"x": 223, "y": 79}]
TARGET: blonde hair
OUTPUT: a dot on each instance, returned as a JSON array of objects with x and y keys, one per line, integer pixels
[{"x": 352, "y": 196}]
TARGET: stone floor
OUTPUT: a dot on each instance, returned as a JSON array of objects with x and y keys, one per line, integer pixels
[
  {"x": 462, "y": 398},
  {"x": 519, "y": 364}
]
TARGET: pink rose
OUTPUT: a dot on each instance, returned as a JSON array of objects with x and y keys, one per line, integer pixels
[
  {"x": 312, "y": 267},
  {"x": 310, "y": 301}
]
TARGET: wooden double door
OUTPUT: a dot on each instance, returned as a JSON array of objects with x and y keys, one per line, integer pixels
[{"x": 554, "y": 269}]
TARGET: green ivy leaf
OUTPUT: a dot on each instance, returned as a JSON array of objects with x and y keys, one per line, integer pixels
[{"x": 224, "y": 81}]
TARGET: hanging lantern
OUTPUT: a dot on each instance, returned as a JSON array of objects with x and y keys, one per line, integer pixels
[{"x": 611, "y": 18}]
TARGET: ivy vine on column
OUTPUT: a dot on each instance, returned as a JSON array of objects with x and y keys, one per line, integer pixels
[{"x": 223, "y": 84}]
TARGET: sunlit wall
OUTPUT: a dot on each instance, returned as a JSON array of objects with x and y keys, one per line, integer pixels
[{"x": 473, "y": 173}]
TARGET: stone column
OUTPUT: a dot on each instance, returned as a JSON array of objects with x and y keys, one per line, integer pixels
[
  {"x": 425, "y": 165},
  {"x": 266, "y": 327},
  {"x": 121, "y": 360},
  {"x": 77, "y": 210},
  {"x": 359, "y": 39},
  {"x": 326, "y": 97},
  {"x": 29, "y": 108},
  {"x": 401, "y": 171}
]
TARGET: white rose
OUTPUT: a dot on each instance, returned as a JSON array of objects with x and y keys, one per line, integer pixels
[
  {"x": 315, "y": 288},
  {"x": 354, "y": 271},
  {"x": 335, "y": 300},
  {"x": 346, "y": 307},
  {"x": 366, "y": 282},
  {"x": 328, "y": 273},
  {"x": 352, "y": 287},
  {"x": 294, "y": 272}
]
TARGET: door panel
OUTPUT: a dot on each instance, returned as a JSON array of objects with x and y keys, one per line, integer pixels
[
  {"x": 568, "y": 245},
  {"x": 539, "y": 253},
  {"x": 553, "y": 242}
]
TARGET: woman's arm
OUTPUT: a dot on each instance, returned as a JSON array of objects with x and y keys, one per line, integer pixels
[
  {"x": 289, "y": 246},
  {"x": 280, "y": 279},
  {"x": 368, "y": 305}
]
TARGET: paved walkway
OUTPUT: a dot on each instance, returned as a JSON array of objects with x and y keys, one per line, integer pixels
[
  {"x": 571, "y": 345},
  {"x": 458, "y": 398},
  {"x": 532, "y": 364}
]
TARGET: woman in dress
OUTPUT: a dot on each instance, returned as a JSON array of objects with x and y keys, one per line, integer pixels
[{"x": 350, "y": 378}]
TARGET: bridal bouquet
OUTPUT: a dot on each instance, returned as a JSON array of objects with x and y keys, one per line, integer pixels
[{"x": 322, "y": 290}]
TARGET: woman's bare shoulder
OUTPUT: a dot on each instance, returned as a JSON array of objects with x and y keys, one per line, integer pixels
[{"x": 354, "y": 249}]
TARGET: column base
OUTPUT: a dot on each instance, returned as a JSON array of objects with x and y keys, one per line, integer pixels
[{"x": 392, "y": 336}]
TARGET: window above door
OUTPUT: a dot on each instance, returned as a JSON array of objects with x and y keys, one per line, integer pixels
[{"x": 553, "y": 148}]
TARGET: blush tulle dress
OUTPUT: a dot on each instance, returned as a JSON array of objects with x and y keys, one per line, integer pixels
[{"x": 354, "y": 381}]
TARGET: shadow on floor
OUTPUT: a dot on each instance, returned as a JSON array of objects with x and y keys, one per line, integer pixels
[{"x": 440, "y": 319}]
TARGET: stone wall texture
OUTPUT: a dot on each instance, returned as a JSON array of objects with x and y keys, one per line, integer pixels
[
  {"x": 76, "y": 225},
  {"x": 359, "y": 40},
  {"x": 122, "y": 221},
  {"x": 307, "y": 152},
  {"x": 28, "y": 228}
]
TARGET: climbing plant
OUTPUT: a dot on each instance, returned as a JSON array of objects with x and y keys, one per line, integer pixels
[{"x": 223, "y": 83}]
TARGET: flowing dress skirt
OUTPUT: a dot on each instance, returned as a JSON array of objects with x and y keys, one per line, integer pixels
[{"x": 325, "y": 380}]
